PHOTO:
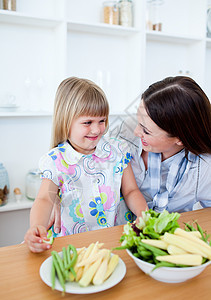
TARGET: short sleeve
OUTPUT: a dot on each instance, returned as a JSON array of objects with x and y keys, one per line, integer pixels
[
  {"x": 48, "y": 168},
  {"x": 126, "y": 153},
  {"x": 204, "y": 191}
]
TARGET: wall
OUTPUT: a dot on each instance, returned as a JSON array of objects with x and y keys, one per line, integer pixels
[{"x": 22, "y": 142}]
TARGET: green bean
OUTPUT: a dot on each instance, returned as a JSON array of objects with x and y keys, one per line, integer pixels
[
  {"x": 53, "y": 275},
  {"x": 189, "y": 227},
  {"x": 74, "y": 258},
  {"x": 64, "y": 252},
  {"x": 66, "y": 271},
  {"x": 163, "y": 264},
  {"x": 201, "y": 231},
  {"x": 68, "y": 256},
  {"x": 207, "y": 237},
  {"x": 59, "y": 260},
  {"x": 59, "y": 271},
  {"x": 73, "y": 272},
  {"x": 154, "y": 250},
  {"x": 120, "y": 248},
  {"x": 145, "y": 253}
]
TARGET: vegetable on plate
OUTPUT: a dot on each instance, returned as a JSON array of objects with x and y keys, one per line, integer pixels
[{"x": 91, "y": 265}]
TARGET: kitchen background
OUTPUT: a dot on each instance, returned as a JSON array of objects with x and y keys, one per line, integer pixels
[{"x": 45, "y": 41}]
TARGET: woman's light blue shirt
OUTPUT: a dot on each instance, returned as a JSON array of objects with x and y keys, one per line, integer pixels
[{"x": 193, "y": 190}]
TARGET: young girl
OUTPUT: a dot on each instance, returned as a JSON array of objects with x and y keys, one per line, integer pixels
[{"x": 84, "y": 171}]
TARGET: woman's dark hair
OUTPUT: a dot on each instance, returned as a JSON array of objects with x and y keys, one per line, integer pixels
[{"x": 180, "y": 107}]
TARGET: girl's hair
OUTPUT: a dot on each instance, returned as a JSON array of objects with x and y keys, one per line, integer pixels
[
  {"x": 180, "y": 107},
  {"x": 76, "y": 97}
]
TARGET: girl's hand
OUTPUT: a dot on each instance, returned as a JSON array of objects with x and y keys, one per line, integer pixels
[
  {"x": 34, "y": 239},
  {"x": 55, "y": 218}
]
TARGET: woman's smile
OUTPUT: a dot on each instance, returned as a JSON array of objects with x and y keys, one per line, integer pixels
[{"x": 144, "y": 143}]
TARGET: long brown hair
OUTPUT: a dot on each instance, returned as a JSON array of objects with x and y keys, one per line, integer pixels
[
  {"x": 76, "y": 97},
  {"x": 179, "y": 106}
]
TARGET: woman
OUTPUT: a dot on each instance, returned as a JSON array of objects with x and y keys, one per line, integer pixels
[{"x": 172, "y": 163}]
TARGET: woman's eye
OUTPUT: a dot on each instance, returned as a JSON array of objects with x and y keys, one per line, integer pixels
[{"x": 146, "y": 132}]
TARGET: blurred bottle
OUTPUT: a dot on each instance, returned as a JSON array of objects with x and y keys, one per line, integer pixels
[
  {"x": 9, "y": 5},
  {"x": 33, "y": 182},
  {"x": 4, "y": 185},
  {"x": 126, "y": 13},
  {"x": 111, "y": 12},
  {"x": 154, "y": 16}
]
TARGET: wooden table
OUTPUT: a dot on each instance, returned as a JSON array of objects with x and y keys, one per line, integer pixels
[{"x": 20, "y": 279}]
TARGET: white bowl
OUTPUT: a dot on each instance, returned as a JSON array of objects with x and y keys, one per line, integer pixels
[{"x": 168, "y": 274}]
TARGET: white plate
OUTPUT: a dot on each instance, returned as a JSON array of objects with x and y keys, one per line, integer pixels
[{"x": 74, "y": 287}]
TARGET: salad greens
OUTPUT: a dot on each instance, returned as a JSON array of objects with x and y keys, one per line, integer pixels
[{"x": 152, "y": 225}]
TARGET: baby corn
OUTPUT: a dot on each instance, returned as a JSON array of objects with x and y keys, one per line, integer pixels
[
  {"x": 186, "y": 244},
  {"x": 193, "y": 238},
  {"x": 156, "y": 243},
  {"x": 182, "y": 259},
  {"x": 113, "y": 262},
  {"x": 172, "y": 249}
]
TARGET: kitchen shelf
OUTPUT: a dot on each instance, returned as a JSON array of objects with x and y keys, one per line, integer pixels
[
  {"x": 25, "y": 114},
  {"x": 11, "y": 205},
  {"x": 208, "y": 42},
  {"x": 10, "y": 17},
  {"x": 101, "y": 28},
  {"x": 158, "y": 36}
]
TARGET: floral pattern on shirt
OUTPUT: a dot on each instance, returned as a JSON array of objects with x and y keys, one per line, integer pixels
[{"x": 89, "y": 185}]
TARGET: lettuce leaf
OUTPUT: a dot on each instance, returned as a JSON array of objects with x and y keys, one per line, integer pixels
[{"x": 151, "y": 225}]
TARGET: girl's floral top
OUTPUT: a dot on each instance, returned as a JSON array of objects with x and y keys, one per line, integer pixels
[{"x": 89, "y": 185}]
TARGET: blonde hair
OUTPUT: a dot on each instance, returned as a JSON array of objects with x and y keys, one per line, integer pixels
[{"x": 76, "y": 97}]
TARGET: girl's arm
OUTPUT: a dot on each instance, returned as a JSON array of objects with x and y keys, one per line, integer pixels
[
  {"x": 133, "y": 197},
  {"x": 40, "y": 215}
]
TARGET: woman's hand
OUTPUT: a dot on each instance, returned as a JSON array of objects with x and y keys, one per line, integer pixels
[{"x": 34, "y": 239}]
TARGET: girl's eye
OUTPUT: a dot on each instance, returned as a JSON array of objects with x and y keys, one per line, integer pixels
[
  {"x": 102, "y": 121},
  {"x": 87, "y": 123}
]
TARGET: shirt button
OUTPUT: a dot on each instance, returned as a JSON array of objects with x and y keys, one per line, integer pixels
[{"x": 146, "y": 172}]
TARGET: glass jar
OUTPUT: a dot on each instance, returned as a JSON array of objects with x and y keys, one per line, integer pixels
[
  {"x": 111, "y": 12},
  {"x": 9, "y": 4},
  {"x": 209, "y": 19},
  {"x": 126, "y": 13},
  {"x": 33, "y": 182},
  {"x": 154, "y": 15},
  {"x": 4, "y": 185}
]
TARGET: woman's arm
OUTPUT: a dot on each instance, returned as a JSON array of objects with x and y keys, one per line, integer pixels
[
  {"x": 131, "y": 193},
  {"x": 40, "y": 216}
]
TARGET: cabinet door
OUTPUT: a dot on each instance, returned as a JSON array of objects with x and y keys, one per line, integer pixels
[{"x": 14, "y": 225}]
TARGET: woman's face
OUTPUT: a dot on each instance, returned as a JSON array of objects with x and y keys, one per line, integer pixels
[
  {"x": 153, "y": 138},
  {"x": 85, "y": 133}
]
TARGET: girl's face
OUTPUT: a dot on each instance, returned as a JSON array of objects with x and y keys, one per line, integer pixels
[
  {"x": 85, "y": 133},
  {"x": 153, "y": 138}
]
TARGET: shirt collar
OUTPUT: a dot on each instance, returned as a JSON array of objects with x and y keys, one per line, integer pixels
[{"x": 72, "y": 157}]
